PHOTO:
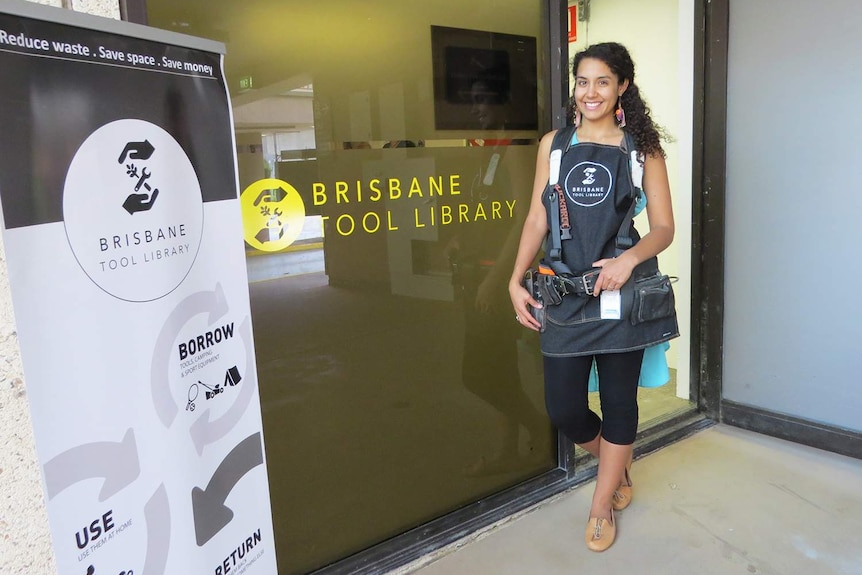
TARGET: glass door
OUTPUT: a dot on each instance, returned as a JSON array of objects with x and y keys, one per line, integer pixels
[{"x": 386, "y": 153}]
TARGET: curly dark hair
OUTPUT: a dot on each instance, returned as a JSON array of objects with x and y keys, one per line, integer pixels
[{"x": 646, "y": 133}]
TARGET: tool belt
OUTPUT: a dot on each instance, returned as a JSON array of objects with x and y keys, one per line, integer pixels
[{"x": 553, "y": 286}]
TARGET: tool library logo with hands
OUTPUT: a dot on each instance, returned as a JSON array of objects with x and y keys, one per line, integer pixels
[
  {"x": 133, "y": 210},
  {"x": 588, "y": 184}
]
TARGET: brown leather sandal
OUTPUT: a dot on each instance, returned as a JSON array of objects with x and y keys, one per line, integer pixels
[
  {"x": 600, "y": 533},
  {"x": 623, "y": 493}
]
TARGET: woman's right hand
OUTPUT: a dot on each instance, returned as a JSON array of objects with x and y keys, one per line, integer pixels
[
  {"x": 532, "y": 235},
  {"x": 521, "y": 298}
]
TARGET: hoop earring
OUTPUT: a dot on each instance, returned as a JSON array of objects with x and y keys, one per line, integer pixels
[
  {"x": 577, "y": 121},
  {"x": 620, "y": 114}
]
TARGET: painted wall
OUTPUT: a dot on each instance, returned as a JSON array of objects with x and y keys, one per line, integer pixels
[
  {"x": 660, "y": 37},
  {"x": 792, "y": 332},
  {"x": 25, "y": 540},
  {"x": 109, "y": 8}
]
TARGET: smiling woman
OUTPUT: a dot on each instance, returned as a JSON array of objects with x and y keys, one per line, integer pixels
[
  {"x": 597, "y": 90},
  {"x": 583, "y": 208}
]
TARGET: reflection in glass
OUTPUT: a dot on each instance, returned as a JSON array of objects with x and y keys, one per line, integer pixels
[{"x": 395, "y": 384}]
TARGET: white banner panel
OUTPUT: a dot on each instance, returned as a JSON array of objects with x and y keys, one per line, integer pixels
[{"x": 125, "y": 255}]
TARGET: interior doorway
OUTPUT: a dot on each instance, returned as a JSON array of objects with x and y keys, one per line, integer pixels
[{"x": 662, "y": 47}]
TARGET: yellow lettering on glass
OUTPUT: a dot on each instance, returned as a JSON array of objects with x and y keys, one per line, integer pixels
[
  {"x": 366, "y": 227},
  {"x": 340, "y": 219},
  {"x": 445, "y": 215},
  {"x": 318, "y": 192},
  {"x": 374, "y": 186},
  {"x": 495, "y": 211},
  {"x": 389, "y": 221},
  {"x": 415, "y": 188},
  {"x": 341, "y": 192},
  {"x": 480, "y": 212},
  {"x": 394, "y": 188},
  {"x": 435, "y": 185}
]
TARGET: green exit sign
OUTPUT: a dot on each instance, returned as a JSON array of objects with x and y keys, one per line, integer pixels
[{"x": 245, "y": 83}]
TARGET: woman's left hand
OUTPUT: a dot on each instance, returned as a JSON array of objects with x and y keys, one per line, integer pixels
[{"x": 615, "y": 273}]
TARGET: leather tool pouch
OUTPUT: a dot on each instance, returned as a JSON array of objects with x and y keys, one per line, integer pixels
[
  {"x": 653, "y": 299},
  {"x": 549, "y": 292},
  {"x": 532, "y": 279}
]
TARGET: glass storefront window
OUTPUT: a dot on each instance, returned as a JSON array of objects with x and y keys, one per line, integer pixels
[{"x": 386, "y": 154}]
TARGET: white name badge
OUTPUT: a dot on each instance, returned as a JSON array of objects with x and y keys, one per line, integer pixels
[{"x": 612, "y": 304}]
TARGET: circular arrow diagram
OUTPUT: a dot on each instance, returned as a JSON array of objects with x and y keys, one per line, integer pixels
[
  {"x": 116, "y": 462},
  {"x": 157, "y": 513},
  {"x": 204, "y": 431},
  {"x": 210, "y": 512},
  {"x": 212, "y": 302}
]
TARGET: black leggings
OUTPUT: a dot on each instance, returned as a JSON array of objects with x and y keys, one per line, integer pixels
[{"x": 566, "y": 382}]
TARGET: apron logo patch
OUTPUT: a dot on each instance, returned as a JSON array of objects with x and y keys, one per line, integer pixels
[{"x": 588, "y": 184}]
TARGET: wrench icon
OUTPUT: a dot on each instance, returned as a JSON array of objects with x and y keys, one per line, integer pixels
[{"x": 144, "y": 175}]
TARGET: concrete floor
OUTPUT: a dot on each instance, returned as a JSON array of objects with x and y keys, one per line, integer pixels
[{"x": 724, "y": 501}]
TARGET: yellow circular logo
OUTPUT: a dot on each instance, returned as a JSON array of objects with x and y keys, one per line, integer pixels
[{"x": 273, "y": 214}]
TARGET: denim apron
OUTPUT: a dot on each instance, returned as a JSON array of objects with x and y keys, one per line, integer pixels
[{"x": 597, "y": 185}]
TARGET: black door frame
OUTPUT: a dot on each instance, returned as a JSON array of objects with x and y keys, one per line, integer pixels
[
  {"x": 708, "y": 193},
  {"x": 707, "y": 268}
]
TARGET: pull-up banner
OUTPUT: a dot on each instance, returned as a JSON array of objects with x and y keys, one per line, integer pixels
[{"x": 124, "y": 247}]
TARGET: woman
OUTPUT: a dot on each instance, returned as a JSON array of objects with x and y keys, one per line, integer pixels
[{"x": 596, "y": 191}]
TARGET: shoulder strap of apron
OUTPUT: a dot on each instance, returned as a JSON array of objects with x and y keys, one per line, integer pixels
[
  {"x": 624, "y": 240},
  {"x": 560, "y": 145}
]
